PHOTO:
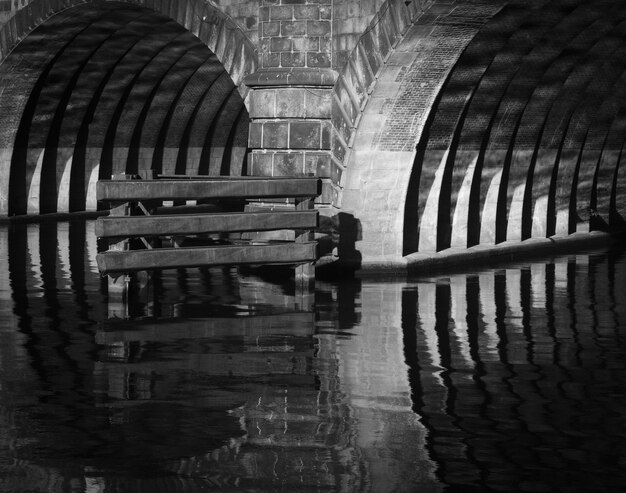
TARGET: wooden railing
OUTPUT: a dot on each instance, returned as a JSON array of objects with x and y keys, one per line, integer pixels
[{"x": 159, "y": 235}]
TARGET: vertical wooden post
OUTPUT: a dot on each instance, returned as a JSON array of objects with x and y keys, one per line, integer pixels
[
  {"x": 305, "y": 273},
  {"x": 118, "y": 288}
]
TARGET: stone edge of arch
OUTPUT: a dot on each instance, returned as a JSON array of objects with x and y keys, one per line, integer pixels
[
  {"x": 356, "y": 83},
  {"x": 377, "y": 215},
  {"x": 238, "y": 65},
  {"x": 357, "y": 79}
]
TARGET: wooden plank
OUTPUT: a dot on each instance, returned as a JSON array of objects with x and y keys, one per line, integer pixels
[
  {"x": 214, "y": 188},
  {"x": 168, "y": 329},
  {"x": 189, "y": 224},
  {"x": 170, "y": 258}
]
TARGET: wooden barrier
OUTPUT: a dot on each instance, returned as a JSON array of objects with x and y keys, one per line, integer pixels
[
  {"x": 175, "y": 258},
  {"x": 134, "y": 200},
  {"x": 125, "y": 190},
  {"x": 189, "y": 224}
]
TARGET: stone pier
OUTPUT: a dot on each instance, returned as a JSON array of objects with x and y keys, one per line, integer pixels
[{"x": 290, "y": 128}]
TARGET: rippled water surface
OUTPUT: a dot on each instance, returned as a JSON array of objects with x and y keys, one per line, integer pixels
[{"x": 503, "y": 379}]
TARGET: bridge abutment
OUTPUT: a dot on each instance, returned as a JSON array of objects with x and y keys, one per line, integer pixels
[{"x": 290, "y": 128}]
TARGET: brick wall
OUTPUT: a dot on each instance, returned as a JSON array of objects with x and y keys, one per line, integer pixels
[{"x": 295, "y": 33}]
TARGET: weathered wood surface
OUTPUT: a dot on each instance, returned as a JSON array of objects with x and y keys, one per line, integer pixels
[
  {"x": 166, "y": 329},
  {"x": 170, "y": 258},
  {"x": 189, "y": 224},
  {"x": 206, "y": 188},
  {"x": 305, "y": 273}
]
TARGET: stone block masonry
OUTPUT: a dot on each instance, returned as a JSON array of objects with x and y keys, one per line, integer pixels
[
  {"x": 291, "y": 129},
  {"x": 295, "y": 33}
]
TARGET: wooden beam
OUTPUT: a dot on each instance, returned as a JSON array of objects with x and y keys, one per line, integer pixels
[
  {"x": 172, "y": 258},
  {"x": 190, "y": 224},
  {"x": 207, "y": 188}
]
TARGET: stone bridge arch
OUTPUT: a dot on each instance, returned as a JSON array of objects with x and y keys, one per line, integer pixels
[
  {"x": 94, "y": 88},
  {"x": 452, "y": 124},
  {"x": 469, "y": 124},
  {"x": 221, "y": 34}
]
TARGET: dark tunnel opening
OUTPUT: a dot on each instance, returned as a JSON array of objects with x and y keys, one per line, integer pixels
[{"x": 113, "y": 88}]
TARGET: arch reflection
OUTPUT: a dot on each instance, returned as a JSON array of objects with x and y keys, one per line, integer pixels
[{"x": 505, "y": 379}]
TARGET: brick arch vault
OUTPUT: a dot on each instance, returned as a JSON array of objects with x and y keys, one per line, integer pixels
[
  {"x": 91, "y": 89},
  {"x": 472, "y": 123}
]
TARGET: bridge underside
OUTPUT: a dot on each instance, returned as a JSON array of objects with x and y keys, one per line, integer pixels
[
  {"x": 106, "y": 88},
  {"x": 452, "y": 124},
  {"x": 489, "y": 122},
  {"x": 527, "y": 133}
]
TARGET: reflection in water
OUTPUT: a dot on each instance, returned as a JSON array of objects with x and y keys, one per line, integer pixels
[
  {"x": 507, "y": 379},
  {"x": 523, "y": 390}
]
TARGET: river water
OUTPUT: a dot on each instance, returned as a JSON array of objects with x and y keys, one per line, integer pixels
[{"x": 511, "y": 378}]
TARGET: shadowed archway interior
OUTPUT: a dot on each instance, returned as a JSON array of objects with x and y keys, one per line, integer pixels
[
  {"x": 526, "y": 136},
  {"x": 105, "y": 88}
]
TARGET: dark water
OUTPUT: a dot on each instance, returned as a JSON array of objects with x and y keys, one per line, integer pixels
[{"x": 508, "y": 379}]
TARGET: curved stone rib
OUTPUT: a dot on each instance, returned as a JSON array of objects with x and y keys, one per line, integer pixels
[
  {"x": 526, "y": 84},
  {"x": 608, "y": 167},
  {"x": 489, "y": 212},
  {"x": 157, "y": 110},
  {"x": 108, "y": 99},
  {"x": 594, "y": 119},
  {"x": 544, "y": 99},
  {"x": 430, "y": 218},
  {"x": 205, "y": 114},
  {"x": 618, "y": 192},
  {"x": 63, "y": 196},
  {"x": 55, "y": 100},
  {"x": 236, "y": 148},
  {"x": 23, "y": 162},
  {"x": 512, "y": 69},
  {"x": 145, "y": 87},
  {"x": 75, "y": 129},
  {"x": 213, "y": 144},
  {"x": 239, "y": 57},
  {"x": 553, "y": 130},
  {"x": 186, "y": 161},
  {"x": 460, "y": 226},
  {"x": 173, "y": 123},
  {"x": 34, "y": 188}
]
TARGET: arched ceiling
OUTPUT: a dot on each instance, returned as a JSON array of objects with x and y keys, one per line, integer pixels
[
  {"x": 115, "y": 88},
  {"x": 536, "y": 99},
  {"x": 484, "y": 121}
]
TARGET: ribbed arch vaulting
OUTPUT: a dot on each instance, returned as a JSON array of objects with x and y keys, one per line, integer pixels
[
  {"x": 526, "y": 136},
  {"x": 112, "y": 87}
]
